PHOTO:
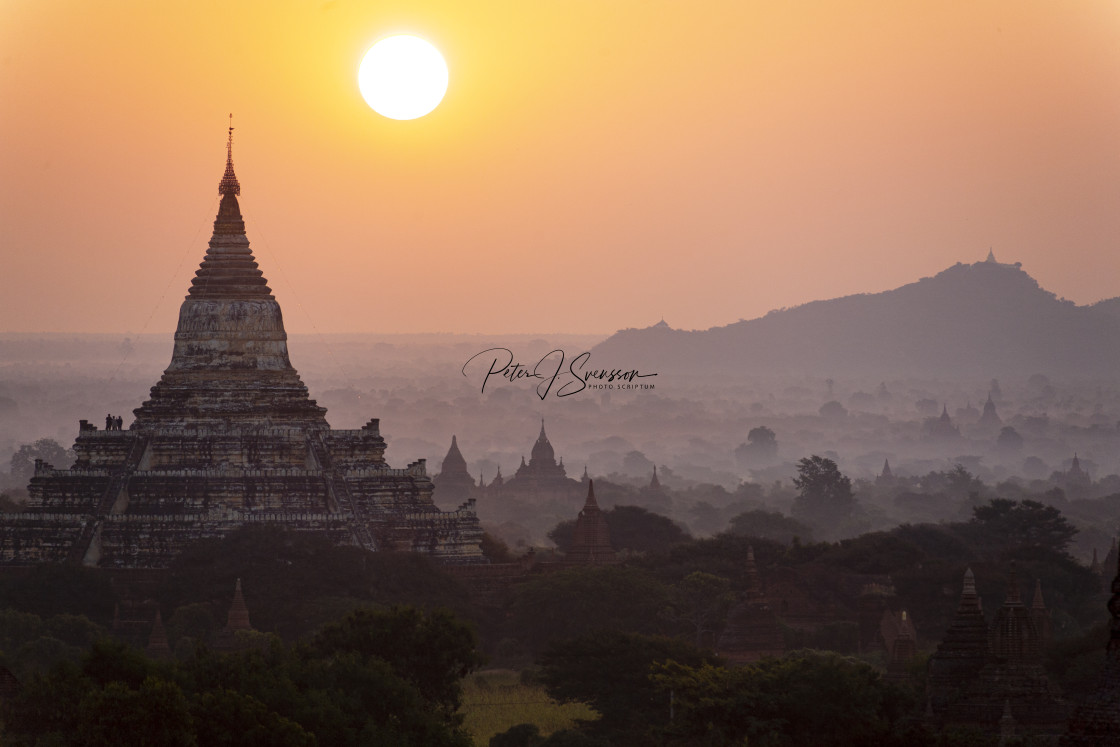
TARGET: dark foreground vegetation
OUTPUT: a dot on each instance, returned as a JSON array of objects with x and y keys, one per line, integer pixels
[{"x": 337, "y": 659}]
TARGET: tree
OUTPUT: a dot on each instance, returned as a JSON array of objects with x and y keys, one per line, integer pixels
[
  {"x": 771, "y": 525},
  {"x": 632, "y": 528},
  {"x": 700, "y": 602},
  {"x": 576, "y": 601},
  {"x": 495, "y": 549},
  {"x": 610, "y": 672},
  {"x": 1009, "y": 440},
  {"x": 1004, "y": 524},
  {"x": 154, "y": 715},
  {"x": 824, "y": 494},
  {"x": 47, "y": 449},
  {"x": 808, "y": 697},
  {"x": 761, "y": 446},
  {"x": 431, "y": 650},
  {"x": 224, "y": 717},
  {"x": 294, "y": 582}
]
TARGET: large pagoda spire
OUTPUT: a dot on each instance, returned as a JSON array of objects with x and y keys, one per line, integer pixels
[
  {"x": 230, "y": 361},
  {"x": 229, "y": 269}
]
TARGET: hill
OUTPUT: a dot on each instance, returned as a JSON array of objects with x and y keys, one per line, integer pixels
[{"x": 983, "y": 319}]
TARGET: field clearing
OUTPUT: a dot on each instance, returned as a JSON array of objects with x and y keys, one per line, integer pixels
[{"x": 496, "y": 699}]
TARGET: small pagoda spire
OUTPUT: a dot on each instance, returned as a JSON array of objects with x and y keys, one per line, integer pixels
[
  {"x": 542, "y": 437},
  {"x": 969, "y": 587},
  {"x": 591, "y": 502},
  {"x": 1037, "y": 602},
  {"x": 238, "y": 612},
  {"x": 1014, "y": 596},
  {"x": 654, "y": 483},
  {"x": 886, "y": 473},
  {"x": 229, "y": 184}
]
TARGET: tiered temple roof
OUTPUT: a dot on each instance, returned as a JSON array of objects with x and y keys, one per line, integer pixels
[
  {"x": 1011, "y": 681},
  {"x": 963, "y": 652}
]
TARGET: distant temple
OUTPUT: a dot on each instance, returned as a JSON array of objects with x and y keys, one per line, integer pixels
[
  {"x": 992, "y": 678},
  {"x": 229, "y": 437},
  {"x": 454, "y": 483},
  {"x": 989, "y": 418},
  {"x": 942, "y": 428},
  {"x": 539, "y": 480},
  {"x": 542, "y": 476},
  {"x": 752, "y": 631},
  {"x": 1096, "y": 720},
  {"x": 591, "y": 539}
]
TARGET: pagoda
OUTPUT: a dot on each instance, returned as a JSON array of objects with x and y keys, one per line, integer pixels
[
  {"x": 454, "y": 482},
  {"x": 591, "y": 538},
  {"x": 1096, "y": 720},
  {"x": 752, "y": 631},
  {"x": 228, "y": 437}
]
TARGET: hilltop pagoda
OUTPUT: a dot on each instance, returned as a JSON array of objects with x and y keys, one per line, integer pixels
[{"x": 228, "y": 437}]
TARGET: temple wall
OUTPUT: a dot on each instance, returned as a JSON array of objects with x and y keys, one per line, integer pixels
[
  {"x": 28, "y": 538},
  {"x": 62, "y": 491},
  {"x": 286, "y": 450},
  {"x": 230, "y": 334},
  {"x": 154, "y": 541}
]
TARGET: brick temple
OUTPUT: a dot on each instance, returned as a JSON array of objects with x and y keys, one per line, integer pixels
[{"x": 229, "y": 437}]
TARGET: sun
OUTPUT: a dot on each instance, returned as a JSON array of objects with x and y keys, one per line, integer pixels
[{"x": 402, "y": 77}]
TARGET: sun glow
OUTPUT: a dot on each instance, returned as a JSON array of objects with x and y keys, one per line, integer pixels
[{"x": 402, "y": 77}]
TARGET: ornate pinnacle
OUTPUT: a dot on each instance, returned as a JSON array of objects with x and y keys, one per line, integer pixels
[
  {"x": 229, "y": 184},
  {"x": 969, "y": 583}
]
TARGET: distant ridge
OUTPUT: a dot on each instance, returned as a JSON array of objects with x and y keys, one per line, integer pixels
[{"x": 984, "y": 319}]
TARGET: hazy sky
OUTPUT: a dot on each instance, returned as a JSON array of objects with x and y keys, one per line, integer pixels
[{"x": 595, "y": 165}]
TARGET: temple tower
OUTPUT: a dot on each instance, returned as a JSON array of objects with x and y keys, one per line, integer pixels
[
  {"x": 591, "y": 540},
  {"x": 454, "y": 482},
  {"x": 752, "y": 630},
  {"x": 229, "y": 437},
  {"x": 963, "y": 651},
  {"x": 230, "y": 364}
]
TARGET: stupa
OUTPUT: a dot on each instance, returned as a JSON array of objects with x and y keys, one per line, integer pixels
[{"x": 228, "y": 437}]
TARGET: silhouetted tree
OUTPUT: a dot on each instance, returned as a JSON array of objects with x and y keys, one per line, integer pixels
[
  {"x": 1009, "y": 439},
  {"x": 770, "y": 525},
  {"x": 47, "y": 449},
  {"x": 632, "y": 528},
  {"x": 833, "y": 410},
  {"x": 808, "y": 697},
  {"x": 761, "y": 446},
  {"x": 573, "y": 602},
  {"x": 824, "y": 494},
  {"x": 1005, "y": 524},
  {"x": 610, "y": 672},
  {"x": 699, "y": 602}
]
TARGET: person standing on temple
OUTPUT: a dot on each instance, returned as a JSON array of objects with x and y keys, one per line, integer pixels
[
  {"x": 118, "y": 422},
  {"x": 108, "y": 422}
]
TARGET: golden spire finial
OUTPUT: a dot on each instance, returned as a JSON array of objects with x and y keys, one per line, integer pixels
[{"x": 229, "y": 184}]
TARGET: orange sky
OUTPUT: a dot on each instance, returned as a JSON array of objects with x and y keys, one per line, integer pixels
[{"x": 595, "y": 164}]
